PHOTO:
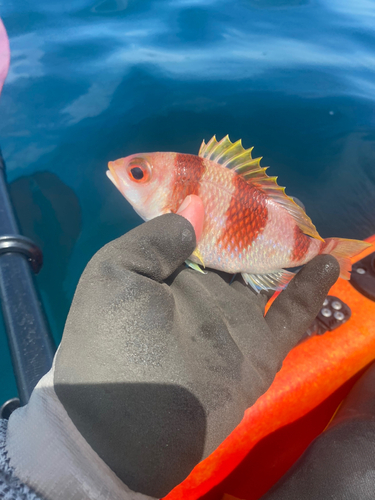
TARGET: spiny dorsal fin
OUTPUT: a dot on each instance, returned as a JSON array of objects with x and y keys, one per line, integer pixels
[{"x": 232, "y": 155}]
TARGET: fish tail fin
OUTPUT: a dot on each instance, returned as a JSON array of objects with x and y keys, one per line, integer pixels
[{"x": 343, "y": 250}]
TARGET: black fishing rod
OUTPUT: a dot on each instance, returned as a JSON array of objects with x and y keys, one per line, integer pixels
[{"x": 29, "y": 338}]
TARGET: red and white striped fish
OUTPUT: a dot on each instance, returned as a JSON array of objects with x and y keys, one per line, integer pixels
[{"x": 251, "y": 226}]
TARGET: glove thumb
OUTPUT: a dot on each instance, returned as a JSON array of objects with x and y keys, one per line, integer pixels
[{"x": 154, "y": 249}]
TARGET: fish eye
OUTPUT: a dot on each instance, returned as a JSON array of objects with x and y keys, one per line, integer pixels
[
  {"x": 139, "y": 170},
  {"x": 137, "y": 173}
]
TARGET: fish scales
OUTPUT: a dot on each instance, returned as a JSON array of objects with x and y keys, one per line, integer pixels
[
  {"x": 251, "y": 226},
  {"x": 301, "y": 245},
  {"x": 237, "y": 215},
  {"x": 188, "y": 172},
  {"x": 216, "y": 191}
]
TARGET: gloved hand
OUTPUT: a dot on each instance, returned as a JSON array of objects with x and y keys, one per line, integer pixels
[
  {"x": 159, "y": 362},
  {"x": 340, "y": 463}
]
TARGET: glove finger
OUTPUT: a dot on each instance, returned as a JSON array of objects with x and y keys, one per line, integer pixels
[
  {"x": 154, "y": 249},
  {"x": 260, "y": 299},
  {"x": 296, "y": 307}
]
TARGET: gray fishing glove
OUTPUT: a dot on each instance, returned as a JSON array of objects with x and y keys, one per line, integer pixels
[{"x": 159, "y": 362}]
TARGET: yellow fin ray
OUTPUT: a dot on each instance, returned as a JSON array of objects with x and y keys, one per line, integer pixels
[
  {"x": 198, "y": 255},
  {"x": 194, "y": 266},
  {"x": 235, "y": 157},
  {"x": 205, "y": 149}
]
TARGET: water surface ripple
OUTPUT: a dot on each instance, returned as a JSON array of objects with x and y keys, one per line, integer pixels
[{"x": 91, "y": 81}]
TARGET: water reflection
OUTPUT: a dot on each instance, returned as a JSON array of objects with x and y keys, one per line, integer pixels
[
  {"x": 48, "y": 212},
  {"x": 276, "y": 4},
  {"x": 110, "y": 6},
  {"x": 94, "y": 80}
]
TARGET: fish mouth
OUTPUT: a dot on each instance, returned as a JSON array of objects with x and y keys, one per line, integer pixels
[
  {"x": 112, "y": 174},
  {"x": 110, "y": 177}
]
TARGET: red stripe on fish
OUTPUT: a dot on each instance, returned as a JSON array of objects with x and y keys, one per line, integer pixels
[
  {"x": 323, "y": 245},
  {"x": 301, "y": 245},
  {"x": 188, "y": 173},
  {"x": 246, "y": 216},
  {"x": 328, "y": 245}
]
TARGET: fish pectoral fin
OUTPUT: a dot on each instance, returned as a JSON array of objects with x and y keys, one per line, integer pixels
[
  {"x": 194, "y": 266},
  {"x": 270, "y": 281},
  {"x": 198, "y": 255}
]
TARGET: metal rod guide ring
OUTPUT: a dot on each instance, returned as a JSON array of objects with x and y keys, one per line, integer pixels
[{"x": 20, "y": 244}]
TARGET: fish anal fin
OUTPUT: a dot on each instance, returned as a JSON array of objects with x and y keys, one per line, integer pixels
[
  {"x": 276, "y": 280},
  {"x": 232, "y": 155}
]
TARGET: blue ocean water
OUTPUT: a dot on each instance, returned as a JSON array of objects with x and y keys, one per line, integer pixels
[{"x": 94, "y": 80}]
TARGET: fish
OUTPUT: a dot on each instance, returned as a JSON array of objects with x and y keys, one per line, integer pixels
[{"x": 251, "y": 226}]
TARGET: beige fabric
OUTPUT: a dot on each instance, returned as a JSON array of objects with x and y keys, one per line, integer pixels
[{"x": 49, "y": 454}]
